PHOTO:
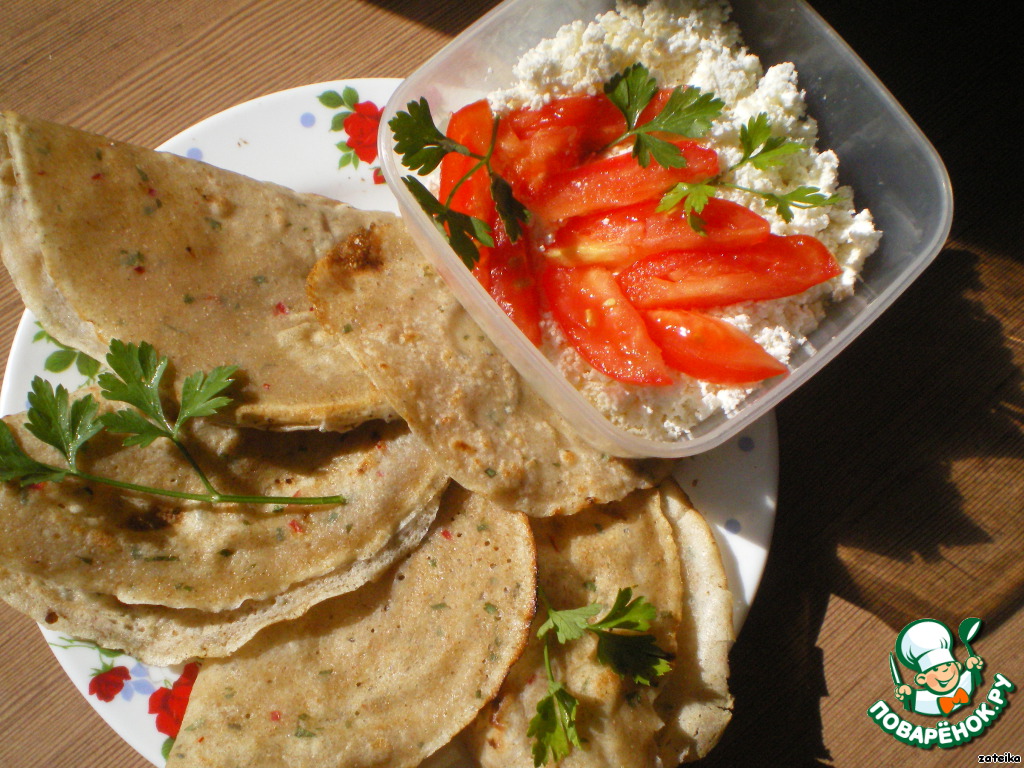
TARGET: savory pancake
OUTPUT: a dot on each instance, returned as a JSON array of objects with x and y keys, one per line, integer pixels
[
  {"x": 382, "y": 676},
  {"x": 140, "y": 548},
  {"x": 155, "y": 634},
  {"x": 694, "y": 700},
  {"x": 107, "y": 240},
  {"x": 488, "y": 429},
  {"x": 582, "y": 559}
]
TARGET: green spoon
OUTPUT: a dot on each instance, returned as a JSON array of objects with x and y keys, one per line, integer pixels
[{"x": 968, "y": 630}]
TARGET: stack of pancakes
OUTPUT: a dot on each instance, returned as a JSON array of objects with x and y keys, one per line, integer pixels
[{"x": 395, "y": 623}]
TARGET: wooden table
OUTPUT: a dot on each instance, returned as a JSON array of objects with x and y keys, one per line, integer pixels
[{"x": 902, "y": 463}]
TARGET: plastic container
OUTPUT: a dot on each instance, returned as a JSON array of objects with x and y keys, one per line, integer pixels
[{"x": 891, "y": 166}]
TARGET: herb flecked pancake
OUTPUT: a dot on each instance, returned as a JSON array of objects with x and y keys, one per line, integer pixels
[
  {"x": 488, "y": 429},
  {"x": 585, "y": 558},
  {"x": 694, "y": 700},
  {"x": 108, "y": 240},
  {"x": 184, "y": 554},
  {"x": 385, "y": 675}
]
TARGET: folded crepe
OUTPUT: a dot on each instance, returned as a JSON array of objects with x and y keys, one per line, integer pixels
[
  {"x": 107, "y": 240},
  {"x": 656, "y": 542},
  {"x": 155, "y": 634},
  {"x": 154, "y": 550},
  {"x": 488, "y": 429},
  {"x": 382, "y": 676},
  {"x": 694, "y": 699},
  {"x": 582, "y": 559}
]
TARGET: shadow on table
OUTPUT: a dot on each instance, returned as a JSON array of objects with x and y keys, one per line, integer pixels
[
  {"x": 439, "y": 15},
  {"x": 928, "y": 401},
  {"x": 879, "y": 483}
]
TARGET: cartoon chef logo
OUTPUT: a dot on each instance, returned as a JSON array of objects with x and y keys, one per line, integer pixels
[
  {"x": 943, "y": 684},
  {"x": 940, "y": 686}
]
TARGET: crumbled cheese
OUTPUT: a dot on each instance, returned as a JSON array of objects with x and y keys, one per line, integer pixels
[{"x": 692, "y": 42}]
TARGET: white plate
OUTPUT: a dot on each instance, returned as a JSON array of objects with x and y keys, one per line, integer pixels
[{"x": 287, "y": 138}]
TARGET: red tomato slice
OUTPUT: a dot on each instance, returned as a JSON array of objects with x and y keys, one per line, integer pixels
[
  {"x": 709, "y": 349},
  {"x": 527, "y": 163},
  {"x": 618, "y": 238},
  {"x": 482, "y": 269},
  {"x": 471, "y": 126},
  {"x": 772, "y": 269},
  {"x": 512, "y": 285},
  {"x": 617, "y": 181},
  {"x": 602, "y": 325},
  {"x": 596, "y": 119},
  {"x": 655, "y": 105}
]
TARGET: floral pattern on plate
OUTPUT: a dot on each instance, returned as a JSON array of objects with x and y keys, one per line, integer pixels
[{"x": 361, "y": 121}]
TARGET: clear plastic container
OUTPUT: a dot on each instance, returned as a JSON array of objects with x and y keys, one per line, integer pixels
[{"x": 893, "y": 169}]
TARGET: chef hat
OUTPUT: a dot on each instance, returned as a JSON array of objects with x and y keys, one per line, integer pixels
[{"x": 924, "y": 644}]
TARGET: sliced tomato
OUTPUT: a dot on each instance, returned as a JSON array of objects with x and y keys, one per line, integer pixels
[
  {"x": 597, "y": 120},
  {"x": 777, "y": 267},
  {"x": 619, "y": 237},
  {"x": 512, "y": 285},
  {"x": 617, "y": 181},
  {"x": 482, "y": 269},
  {"x": 709, "y": 349},
  {"x": 471, "y": 126},
  {"x": 602, "y": 326},
  {"x": 655, "y": 105},
  {"x": 527, "y": 163}
]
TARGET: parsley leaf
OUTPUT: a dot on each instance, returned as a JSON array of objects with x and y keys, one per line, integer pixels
[
  {"x": 554, "y": 725},
  {"x": 630, "y": 655},
  {"x": 760, "y": 148},
  {"x": 418, "y": 140},
  {"x": 688, "y": 113},
  {"x": 140, "y": 430},
  {"x": 462, "y": 231},
  {"x": 693, "y": 196},
  {"x": 627, "y": 613},
  {"x": 200, "y": 394},
  {"x": 637, "y": 657},
  {"x": 15, "y": 464},
  {"x": 62, "y": 359},
  {"x": 801, "y": 197},
  {"x": 634, "y": 656},
  {"x": 631, "y": 91},
  {"x": 569, "y": 624},
  {"x": 57, "y": 422},
  {"x": 510, "y": 210},
  {"x": 137, "y": 372}
]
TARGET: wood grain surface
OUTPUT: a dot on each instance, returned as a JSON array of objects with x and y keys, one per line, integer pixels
[{"x": 902, "y": 462}]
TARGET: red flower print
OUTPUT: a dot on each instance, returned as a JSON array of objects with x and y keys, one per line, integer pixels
[
  {"x": 108, "y": 683},
  {"x": 168, "y": 704},
  {"x": 361, "y": 127}
]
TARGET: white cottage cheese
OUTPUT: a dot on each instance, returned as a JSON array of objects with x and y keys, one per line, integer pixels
[{"x": 690, "y": 42}]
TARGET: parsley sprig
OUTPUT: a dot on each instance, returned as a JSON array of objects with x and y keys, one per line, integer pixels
[
  {"x": 423, "y": 146},
  {"x": 623, "y": 643},
  {"x": 135, "y": 378},
  {"x": 688, "y": 113},
  {"x": 762, "y": 150},
  {"x": 553, "y": 728}
]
